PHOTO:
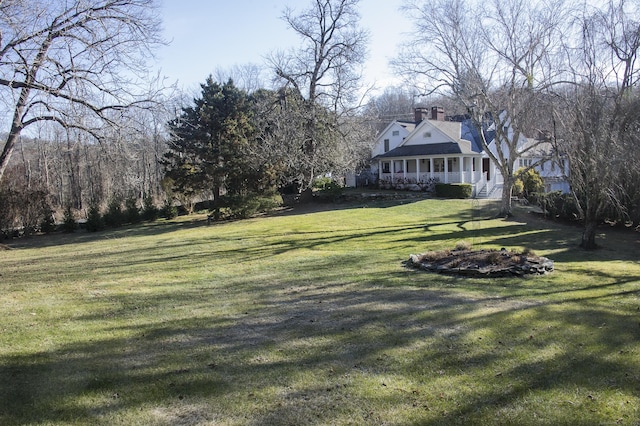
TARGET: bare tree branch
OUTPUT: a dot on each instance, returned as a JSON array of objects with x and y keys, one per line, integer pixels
[{"x": 82, "y": 56}]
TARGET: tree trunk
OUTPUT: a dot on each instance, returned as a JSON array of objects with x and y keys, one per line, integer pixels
[
  {"x": 589, "y": 236},
  {"x": 505, "y": 202},
  {"x": 14, "y": 134},
  {"x": 9, "y": 145}
]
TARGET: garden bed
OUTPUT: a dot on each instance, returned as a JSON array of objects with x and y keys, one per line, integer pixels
[{"x": 481, "y": 263}]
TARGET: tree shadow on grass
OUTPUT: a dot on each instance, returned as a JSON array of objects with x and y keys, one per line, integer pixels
[{"x": 319, "y": 348}]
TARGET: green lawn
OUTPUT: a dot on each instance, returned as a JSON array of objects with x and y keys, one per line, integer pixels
[{"x": 310, "y": 318}]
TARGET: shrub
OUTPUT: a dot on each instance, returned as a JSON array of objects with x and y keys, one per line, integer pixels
[
  {"x": 558, "y": 205},
  {"x": 95, "y": 221},
  {"x": 528, "y": 182},
  {"x": 149, "y": 210},
  {"x": 168, "y": 211},
  {"x": 428, "y": 185},
  {"x": 6, "y": 214},
  {"x": 327, "y": 189},
  {"x": 114, "y": 216},
  {"x": 69, "y": 223},
  {"x": 25, "y": 211},
  {"x": 241, "y": 207},
  {"x": 454, "y": 190},
  {"x": 518, "y": 188},
  {"x": 48, "y": 222},
  {"x": 131, "y": 212},
  {"x": 245, "y": 206}
]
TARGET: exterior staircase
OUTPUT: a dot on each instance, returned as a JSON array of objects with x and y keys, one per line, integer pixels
[{"x": 494, "y": 193}]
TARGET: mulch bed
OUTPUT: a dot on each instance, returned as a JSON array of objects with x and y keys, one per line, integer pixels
[{"x": 481, "y": 263}]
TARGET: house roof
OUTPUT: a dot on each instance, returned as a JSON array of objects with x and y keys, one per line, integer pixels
[
  {"x": 409, "y": 125},
  {"x": 534, "y": 148},
  {"x": 470, "y": 133},
  {"x": 425, "y": 149},
  {"x": 463, "y": 135}
]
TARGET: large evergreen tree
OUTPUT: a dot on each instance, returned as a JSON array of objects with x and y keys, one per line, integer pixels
[{"x": 209, "y": 146}]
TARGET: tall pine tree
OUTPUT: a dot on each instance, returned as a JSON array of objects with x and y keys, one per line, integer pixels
[{"x": 209, "y": 146}]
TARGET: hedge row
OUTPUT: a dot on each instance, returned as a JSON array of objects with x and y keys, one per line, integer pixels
[{"x": 454, "y": 190}]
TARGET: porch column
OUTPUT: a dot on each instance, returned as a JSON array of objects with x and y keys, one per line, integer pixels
[
  {"x": 461, "y": 167},
  {"x": 431, "y": 168},
  {"x": 393, "y": 171},
  {"x": 417, "y": 170},
  {"x": 404, "y": 169},
  {"x": 473, "y": 170},
  {"x": 446, "y": 170},
  {"x": 379, "y": 170}
]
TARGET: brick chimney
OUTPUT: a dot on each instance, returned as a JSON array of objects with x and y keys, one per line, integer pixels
[
  {"x": 437, "y": 113},
  {"x": 420, "y": 113}
]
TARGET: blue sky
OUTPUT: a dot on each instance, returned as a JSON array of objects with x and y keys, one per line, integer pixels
[{"x": 206, "y": 35}]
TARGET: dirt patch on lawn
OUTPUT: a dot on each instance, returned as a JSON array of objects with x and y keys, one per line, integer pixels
[{"x": 481, "y": 263}]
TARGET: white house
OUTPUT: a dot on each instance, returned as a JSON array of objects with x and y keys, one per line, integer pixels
[{"x": 433, "y": 149}]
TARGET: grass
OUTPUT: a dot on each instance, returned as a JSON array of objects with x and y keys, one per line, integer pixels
[{"x": 310, "y": 318}]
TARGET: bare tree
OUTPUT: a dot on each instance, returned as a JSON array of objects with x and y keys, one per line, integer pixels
[
  {"x": 325, "y": 72},
  {"x": 494, "y": 58},
  {"x": 248, "y": 77},
  {"x": 73, "y": 62},
  {"x": 599, "y": 114}
]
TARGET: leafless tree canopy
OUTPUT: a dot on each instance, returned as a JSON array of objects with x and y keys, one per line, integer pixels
[
  {"x": 325, "y": 73},
  {"x": 326, "y": 68},
  {"x": 598, "y": 114},
  {"x": 493, "y": 58},
  {"x": 77, "y": 63}
]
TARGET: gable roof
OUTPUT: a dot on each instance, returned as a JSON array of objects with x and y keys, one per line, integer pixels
[
  {"x": 425, "y": 149},
  {"x": 409, "y": 125},
  {"x": 458, "y": 136}
]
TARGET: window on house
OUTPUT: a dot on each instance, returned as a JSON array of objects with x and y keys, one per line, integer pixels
[
  {"x": 386, "y": 167},
  {"x": 426, "y": 134},
  {"x": 386, "y": 145},
  {"x": 525, "y": 162},
  {"x": 438, "y": 165},
  {"x": 396, "y": 133}
]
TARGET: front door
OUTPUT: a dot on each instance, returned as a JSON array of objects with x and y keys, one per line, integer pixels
[{"x": 485, "y": 168}]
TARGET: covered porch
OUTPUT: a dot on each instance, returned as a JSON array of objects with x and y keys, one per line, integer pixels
[{"x": 471, "y": 169}]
